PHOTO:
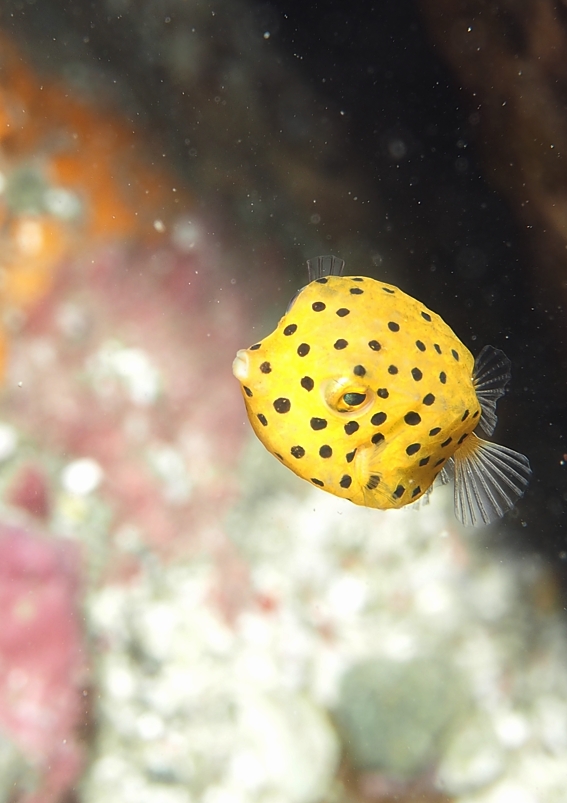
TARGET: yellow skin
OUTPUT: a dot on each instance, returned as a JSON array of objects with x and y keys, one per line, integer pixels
[{"x": 379, "y": 463}]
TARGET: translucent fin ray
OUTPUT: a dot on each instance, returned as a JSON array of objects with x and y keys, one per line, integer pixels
[
  {"x": 447, "y": 473},
  {"x": 318, "y": 267},
  {"x": 423, "y": 501},
  {"x": 490, "y": 376},
  {"x": 488, "y": 480}
]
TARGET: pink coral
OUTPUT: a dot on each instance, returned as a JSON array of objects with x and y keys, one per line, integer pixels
[
  {"x": 41, "y": 658},
  {"x": 127, "y": 363}
]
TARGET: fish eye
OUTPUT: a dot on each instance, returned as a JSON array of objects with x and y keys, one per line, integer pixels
[
  {"x": 343, "y": 396},
  {"x": 354, "y": 399}
]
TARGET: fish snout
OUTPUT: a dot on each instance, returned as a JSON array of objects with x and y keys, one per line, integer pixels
[{"x": 241, "y": 365}]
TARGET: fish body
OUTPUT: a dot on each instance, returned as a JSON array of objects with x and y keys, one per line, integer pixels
[{"x": 369, "y": 395}]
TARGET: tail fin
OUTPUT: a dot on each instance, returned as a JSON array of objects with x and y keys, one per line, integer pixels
[{"x": 488, "y": 480}]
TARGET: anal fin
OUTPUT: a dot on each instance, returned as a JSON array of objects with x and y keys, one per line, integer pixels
[
  {"x": 490, "y": 376},
  {"x": 488, "y": 480}
]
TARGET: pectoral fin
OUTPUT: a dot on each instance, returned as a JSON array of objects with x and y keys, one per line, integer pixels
[{"x": 490, "y": 377}]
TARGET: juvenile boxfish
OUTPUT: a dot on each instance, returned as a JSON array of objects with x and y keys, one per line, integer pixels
[{"x": 369, "y": 395}]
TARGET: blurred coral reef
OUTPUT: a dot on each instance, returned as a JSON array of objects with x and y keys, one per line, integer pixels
[
  {"x": 183, "y": 619},
  {"x": 42, "y": 665}
]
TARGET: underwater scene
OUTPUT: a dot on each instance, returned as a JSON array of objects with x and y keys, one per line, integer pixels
[{"x": 283, "y": 401}]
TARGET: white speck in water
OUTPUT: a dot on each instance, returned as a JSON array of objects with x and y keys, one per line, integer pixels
[
  {"x": 82, "y": 476},
  {"x": 159, "y": 225},
  {"x": 266, "y": 35}
]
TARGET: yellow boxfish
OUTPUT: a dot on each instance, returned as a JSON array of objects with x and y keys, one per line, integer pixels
[{"x": 369, "y": 395}]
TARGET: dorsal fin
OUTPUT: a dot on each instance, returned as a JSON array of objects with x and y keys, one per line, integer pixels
[
  {"x": 490, "y": 376},
  {"x": 488, "y": 480},
  {"x": 318, "y": 267}
]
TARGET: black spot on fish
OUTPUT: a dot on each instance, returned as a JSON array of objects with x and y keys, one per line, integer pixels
[
  {"x": 359, "y": 370},
  {"x": 412, "y": 418},
  {"x": 429, "y": 399},
  {"x": 465, "y": 415},
  {"x": 415, "y": 492},
  {"x": 318, "y": 306},
  {"x": 416, "y": 373},
  {"x": 343, "y": 312},
  {"x": 399, "y": 492},
  {"x": 375, "y": 345},
  {"x": 424, "y": 461},
  {"x": 446, "y": 443},
  {"x": 266, "y": 368},
  {"x": 307, "y": 383},
  {"x": 320, "y": 483},
  {"x": 351, "y": 427},
  {"x": 377, "y": 438},
  {"x": 318, "y": 423},
  {"x": 356, "y": 291},
  {"x": 438, "y": 463},
  {"x": 378, "y": 419},
  {"x": 247, "y": 391},
  {"x": 345, "y": 481},
  {"x": 476, "y": 414},
  {"x": 443, "y": 377},
  {"x": 255, "y": 346},
  {"x": 297, "y": 451},
  {"x": 323, "y": 280},
  {"x": 303, "y": 350},
  {"x": 463, "y": 437},
  {"x": 356, "y": 279},
  {"x": 262, "y": 419},
  {"x": 455, "y": 354},
  {"x": 282, "y": 405},
  {"x": 350, "y": 456},
  {"x": 387, "y": 290},
  {"x": 392, "y": 369},
  {"x": 325, "y": 451},
  {"x": 340, "y": 344},
  {"x": 420, "y": 345},
  {"x": 289, "y": 330},
  {"x": 413, "y": 448},
  {"x": 393, "y": 326},
  {"x": 278, "y": 455},
  {"x": 383, "y": 393},
  {"x": 426, "y": 316},
  {"x": 434, "y": 431},
  {"x": 437, "y": 348},
  {"x": 373, "y": 482}
]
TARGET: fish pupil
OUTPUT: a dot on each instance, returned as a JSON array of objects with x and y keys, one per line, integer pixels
[{"x": 354, "y": 399}]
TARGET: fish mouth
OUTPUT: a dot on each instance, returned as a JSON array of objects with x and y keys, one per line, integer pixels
[{"x": 241, "y": 365}]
